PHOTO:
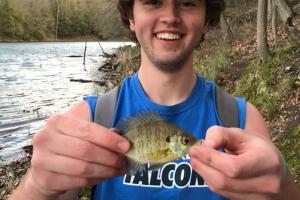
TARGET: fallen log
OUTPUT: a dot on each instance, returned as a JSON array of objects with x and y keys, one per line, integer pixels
[
  {"x": 102, "y": 83},
  {"x": 105, "y": 66},
  {"x": 75, "y": 56},
  {"x": 113, "y": 74}
]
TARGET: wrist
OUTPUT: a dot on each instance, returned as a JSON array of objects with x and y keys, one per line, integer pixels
[
  {"x": 289, "y": 190},
  {"x": 28, "y": 189}
]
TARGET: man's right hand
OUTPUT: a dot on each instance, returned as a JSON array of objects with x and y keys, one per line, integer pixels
[{"x": 70, "y": 153}]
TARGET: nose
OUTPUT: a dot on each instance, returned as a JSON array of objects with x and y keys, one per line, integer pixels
[{"x": 170, "y": 15}]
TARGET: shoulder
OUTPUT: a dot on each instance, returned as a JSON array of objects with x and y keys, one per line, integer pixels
[{"x": 255, "y": 122}]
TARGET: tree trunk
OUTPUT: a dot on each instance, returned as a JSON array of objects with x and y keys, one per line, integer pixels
[
  {"x": 270, "y": 9},
  {"x": 274, "y": 20},
  {"x": 284, "y": 11},
  {"x": 262, "y": 43},
  {"x": 227, "y": 33}
]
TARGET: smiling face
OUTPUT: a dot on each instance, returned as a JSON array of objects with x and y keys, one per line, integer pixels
[{"x": 168, "y": 31}]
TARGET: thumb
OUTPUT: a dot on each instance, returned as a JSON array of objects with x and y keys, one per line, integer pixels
[{"x": 228, "y": 138}]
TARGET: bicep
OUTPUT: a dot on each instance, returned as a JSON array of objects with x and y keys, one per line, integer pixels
[{"x": 255, "y": 122}]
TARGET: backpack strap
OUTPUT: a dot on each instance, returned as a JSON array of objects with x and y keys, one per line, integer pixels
[
  {"x": 105, "y": 107},
  {"x": 227, "y": 108}
]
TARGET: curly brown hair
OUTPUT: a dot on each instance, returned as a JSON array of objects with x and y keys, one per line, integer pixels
[{"x": 213, "y": 11}]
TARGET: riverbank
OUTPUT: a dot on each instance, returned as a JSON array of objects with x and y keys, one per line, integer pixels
[
  {"x": 79, "y": 38},
  {"x": 11, "y": 174}
]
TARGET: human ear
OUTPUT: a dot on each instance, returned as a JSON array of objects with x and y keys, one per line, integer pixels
[{"x": 132, "y": 25}]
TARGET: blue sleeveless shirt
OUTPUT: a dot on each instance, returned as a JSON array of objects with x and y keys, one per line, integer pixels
[{"x": 175, "y": 180}]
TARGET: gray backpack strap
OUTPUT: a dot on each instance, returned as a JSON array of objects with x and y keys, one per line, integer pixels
[
  {"x": 227, "y": 108},
  {"x": 104, "y": 112},
  {"x": 105, "y": 107}
]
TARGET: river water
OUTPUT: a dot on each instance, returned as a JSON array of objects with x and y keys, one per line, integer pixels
[{"x": 35, "y": 83}]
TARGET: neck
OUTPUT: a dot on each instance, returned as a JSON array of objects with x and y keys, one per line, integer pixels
[{"x": 166, "y": 88}]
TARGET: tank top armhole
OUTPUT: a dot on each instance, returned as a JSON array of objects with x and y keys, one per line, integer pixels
[
  {"x": 92, "y": 102},
  {"x": 241, "y": 104}
]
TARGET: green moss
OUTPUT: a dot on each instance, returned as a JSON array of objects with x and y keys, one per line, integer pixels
[
  {"x": 254, "y": 84},
  {"x": 264, "y": 83}
]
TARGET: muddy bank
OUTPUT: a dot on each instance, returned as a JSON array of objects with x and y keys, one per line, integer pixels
[{"x": 11, "y": 174}]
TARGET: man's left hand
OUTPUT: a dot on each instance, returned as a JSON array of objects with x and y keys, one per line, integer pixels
[{"x": 250, "y": 167}]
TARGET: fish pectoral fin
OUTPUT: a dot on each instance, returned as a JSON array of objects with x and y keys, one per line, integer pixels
[
  {"x": 133, "y": 166},
  {"x": 155, "y": 167}
]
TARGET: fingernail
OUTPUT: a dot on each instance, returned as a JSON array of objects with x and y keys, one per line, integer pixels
[{"x": 123, "y": 146}]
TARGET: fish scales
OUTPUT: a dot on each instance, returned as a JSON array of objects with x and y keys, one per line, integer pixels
[
  {"x": 151, "y": 144},
  {"x": 151, "y": 141}
]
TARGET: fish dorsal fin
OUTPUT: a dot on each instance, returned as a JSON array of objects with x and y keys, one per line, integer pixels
[{"x": 126, "y": 124}]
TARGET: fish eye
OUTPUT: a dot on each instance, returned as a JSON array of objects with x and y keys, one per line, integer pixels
[
  {"x": 168, "y": 139},
  {"x": 185, "y": 140}
]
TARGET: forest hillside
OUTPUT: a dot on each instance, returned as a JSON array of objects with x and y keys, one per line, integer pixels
[{"x": 50, "y": 20}]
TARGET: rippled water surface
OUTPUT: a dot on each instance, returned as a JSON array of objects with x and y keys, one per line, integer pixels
[{"x": 35, "y": 83}]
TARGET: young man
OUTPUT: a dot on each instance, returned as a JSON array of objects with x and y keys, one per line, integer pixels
[{"x": 70, "y": 152}]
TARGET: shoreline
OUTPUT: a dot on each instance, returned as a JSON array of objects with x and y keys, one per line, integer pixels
[
  {"x": 64, "y": 39},
  {"x": 12, "y": 173},
  {"x": 50, "y": 41},
  {"x": 71, "y": 39}
]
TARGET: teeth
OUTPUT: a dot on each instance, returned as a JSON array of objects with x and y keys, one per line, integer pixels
[{"x": 168, "y": 36}]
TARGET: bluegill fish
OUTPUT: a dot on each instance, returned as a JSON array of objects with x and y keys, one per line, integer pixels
[{"x": 153, "y": 141}]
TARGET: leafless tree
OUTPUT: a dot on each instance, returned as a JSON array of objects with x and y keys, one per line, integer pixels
[{"x": 262, "y": 40}]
